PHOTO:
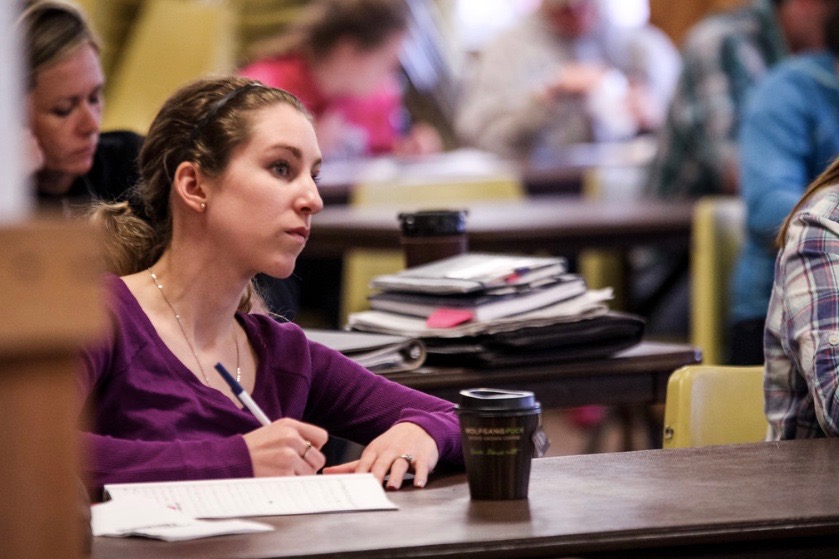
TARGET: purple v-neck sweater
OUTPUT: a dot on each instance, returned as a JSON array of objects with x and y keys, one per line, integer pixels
[{"x": 153, "y": 420}]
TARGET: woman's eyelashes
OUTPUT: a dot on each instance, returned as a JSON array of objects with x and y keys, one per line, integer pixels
[
  {"x": 285, "y": 170},
  {"x": 63, "y": 111}
]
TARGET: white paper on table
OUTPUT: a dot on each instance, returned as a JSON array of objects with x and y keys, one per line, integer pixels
[
  {"x": 138, "y": 516},
  {"x": 267, "y": 496}
]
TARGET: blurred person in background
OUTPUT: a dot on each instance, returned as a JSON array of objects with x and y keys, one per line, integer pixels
[
  {"x": 342, "y": 61},
  {"x": 723, "y": 57},
  {"x": 789, "y": 135},
  {"x": 72, "y": 162},
  {"x": 566, "y": 75}
]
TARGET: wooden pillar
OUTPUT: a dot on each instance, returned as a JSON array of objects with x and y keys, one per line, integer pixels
[{"x": 49, "y": 305}]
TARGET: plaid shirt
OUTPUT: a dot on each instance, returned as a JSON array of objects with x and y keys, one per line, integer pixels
[
  {"x": 723, "y": 57},
  {"x": 801, "y": 341}
]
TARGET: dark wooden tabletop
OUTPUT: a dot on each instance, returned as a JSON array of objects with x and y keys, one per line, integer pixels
[
  {"x": 634, "y": 376},
  {"x": 766, "y": 500},
  {"x": 559, "y": 225}
]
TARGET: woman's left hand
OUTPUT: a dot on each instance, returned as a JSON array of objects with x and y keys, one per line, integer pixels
[{"x": 402, "y": 448}]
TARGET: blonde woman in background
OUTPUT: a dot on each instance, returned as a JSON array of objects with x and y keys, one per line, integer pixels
[{"x": 64, "y": 91}]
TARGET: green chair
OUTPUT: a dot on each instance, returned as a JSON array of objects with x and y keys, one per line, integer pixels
[
  {"x": 113, "y": 20},
  {"x": 615, "y": 183},
  {"x": 259, "y": 20},
  {"x": 711, "y": 405},
  {"x": 162, "y": 53},
  {"x": 718, "y": 224}
]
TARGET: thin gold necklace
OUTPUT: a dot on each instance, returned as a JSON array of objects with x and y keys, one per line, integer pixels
[{"x": 186, "y": 337}]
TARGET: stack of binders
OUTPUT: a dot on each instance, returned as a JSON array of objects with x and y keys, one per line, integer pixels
[{"x": 498, "y": 310}]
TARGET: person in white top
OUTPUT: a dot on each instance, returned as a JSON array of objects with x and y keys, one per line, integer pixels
[{"x": 566, "y": 75}]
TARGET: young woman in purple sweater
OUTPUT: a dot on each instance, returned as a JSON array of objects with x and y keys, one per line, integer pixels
[{"x": 228, "y": 190}]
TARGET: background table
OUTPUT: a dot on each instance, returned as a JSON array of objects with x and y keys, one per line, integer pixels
[
  {"x": 558, "y": 225},
  {"x": 634, "y": 376},
  {"x": 767, "y": 500}
]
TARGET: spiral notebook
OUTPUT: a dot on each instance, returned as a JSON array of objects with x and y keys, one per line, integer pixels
[{"x": 380, "y": 353}]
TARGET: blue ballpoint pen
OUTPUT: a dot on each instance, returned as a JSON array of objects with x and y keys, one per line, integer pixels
[{"x": 243, "y": 396}]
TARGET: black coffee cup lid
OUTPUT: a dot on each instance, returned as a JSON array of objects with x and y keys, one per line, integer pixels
[
  {"x": 430, "y": 223},
  {"x": 497, "y": 400}
]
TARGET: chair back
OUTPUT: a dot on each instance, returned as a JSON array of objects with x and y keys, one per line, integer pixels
[
  {"x": 718, "y": 224},
  {"x": 710, "y": 404},
  {"x": 259, "y": 20},
  {"x": 113, "y": 21},
  {"x": 171, "y": 43},
  {"x": 602, "y": 267}
]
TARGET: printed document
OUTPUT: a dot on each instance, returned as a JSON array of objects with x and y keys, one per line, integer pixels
[{"x": 270, "y": 496}]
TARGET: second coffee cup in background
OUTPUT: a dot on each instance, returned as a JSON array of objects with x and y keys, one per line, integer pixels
[{"x": 431, "y": 235}]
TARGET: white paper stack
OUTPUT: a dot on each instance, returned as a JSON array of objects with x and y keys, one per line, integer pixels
[{"x": 478, "y": 293}]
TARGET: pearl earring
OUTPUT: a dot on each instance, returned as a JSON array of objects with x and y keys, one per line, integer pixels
[{"x": 203, "y": 205}]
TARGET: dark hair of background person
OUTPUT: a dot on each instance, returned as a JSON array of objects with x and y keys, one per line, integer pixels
[{"x": 326, "y": 22}]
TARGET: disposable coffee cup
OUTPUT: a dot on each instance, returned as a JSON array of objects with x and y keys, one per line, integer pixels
[
  {"x": 497, "y": 430},
  {"x": 431, "y": 235}
]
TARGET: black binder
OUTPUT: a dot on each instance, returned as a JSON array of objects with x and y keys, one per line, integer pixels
[{"x": 592, "y": 338}]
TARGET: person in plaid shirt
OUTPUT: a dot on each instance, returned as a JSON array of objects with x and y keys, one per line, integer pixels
[
  {"x": 802, "y": 324},
  {"x": 723, "y": 57},
  {"x": 801, "y": 341}
]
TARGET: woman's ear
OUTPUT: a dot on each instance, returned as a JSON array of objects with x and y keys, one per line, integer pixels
[{"x": 188, "y": 184}]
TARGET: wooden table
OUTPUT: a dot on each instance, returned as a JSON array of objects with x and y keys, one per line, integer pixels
[
  {"x": 767, "y": 500},
  {"x": 635, "y": 376},
  {"x": 558, "y": 225}
]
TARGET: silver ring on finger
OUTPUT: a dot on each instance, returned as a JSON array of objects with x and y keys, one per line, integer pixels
[
  {"x": 408, "y": 458},
  {"x": 308, "y": 448}
]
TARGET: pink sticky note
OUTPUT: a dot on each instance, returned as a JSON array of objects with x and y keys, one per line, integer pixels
[{"x": 448, "y": 318}]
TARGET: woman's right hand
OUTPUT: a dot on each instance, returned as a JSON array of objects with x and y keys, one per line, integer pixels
[{"x": 285, "y": 448}]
